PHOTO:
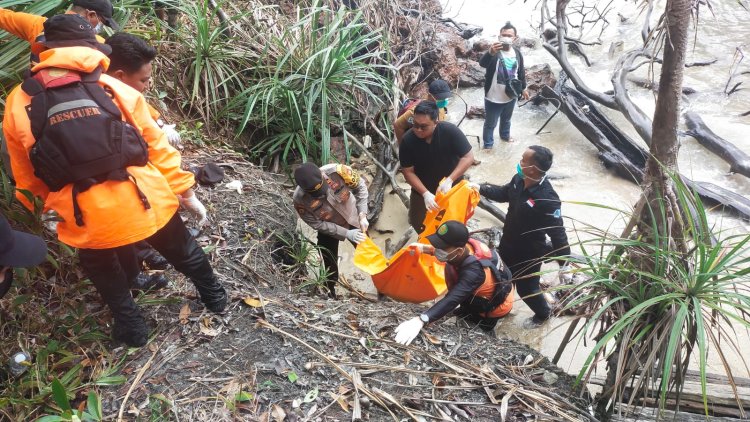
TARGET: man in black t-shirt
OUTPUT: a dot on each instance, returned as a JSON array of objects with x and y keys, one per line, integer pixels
[{"x": 431, "y": 151}]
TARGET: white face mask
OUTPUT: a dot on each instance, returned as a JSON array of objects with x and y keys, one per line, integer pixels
[{"x": 98, "y": 28}]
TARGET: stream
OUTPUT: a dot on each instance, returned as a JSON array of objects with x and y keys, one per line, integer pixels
[{"x": 577, "y": 174}]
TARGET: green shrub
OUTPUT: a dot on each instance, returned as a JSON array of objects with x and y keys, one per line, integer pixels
[
  {"x": 651, "y": 307},
  {"x": 307, "y": 77}
]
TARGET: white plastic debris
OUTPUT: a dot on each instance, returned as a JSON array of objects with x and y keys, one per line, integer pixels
[{"x": 235, "y": 185}]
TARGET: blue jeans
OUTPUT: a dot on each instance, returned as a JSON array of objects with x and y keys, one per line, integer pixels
[{"x": 493, "y": 113}]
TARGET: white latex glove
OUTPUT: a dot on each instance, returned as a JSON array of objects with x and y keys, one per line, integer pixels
[
  {"x": 173, "y": 136},
  {"x": 407, "y": 331},
  {"x": 445, "y": 186},
  {"x": 474, "y": 186},
  {"x": 429, "y": 201},
  {"x": 356, "y": 236},
  {"x": 196, "y": 208},
  {"x": 565, "y": 275},
  {"x": 363, "y": 223}
]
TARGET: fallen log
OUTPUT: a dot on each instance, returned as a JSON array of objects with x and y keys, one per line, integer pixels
[
  {"x": 626, "y": 158},
  {"x": 654, "y": 85},
  {"x": 376, "y": 191},
  {"x": 488, "y": 206},
  {"x": 616, "y": 150},
  {"x": 739, "y": 161}
]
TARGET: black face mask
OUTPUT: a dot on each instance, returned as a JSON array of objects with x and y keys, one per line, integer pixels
[{"x": 6, "y": 282}]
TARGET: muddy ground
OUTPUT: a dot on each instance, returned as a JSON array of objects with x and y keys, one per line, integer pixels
[{"x": 284, "y": 351}]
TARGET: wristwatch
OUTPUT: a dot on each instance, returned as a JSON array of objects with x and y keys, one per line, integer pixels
[{"x": 424, "y": 318}]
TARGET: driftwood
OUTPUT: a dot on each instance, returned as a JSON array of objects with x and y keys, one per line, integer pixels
[
  {"x": 391, "y": 248},
  {"x": 376, "y": 191},
  {"x": 654, "y": 85},
  {"x": 626, "y": 158},
  {"x": 616, "y": 150},
  {"x": 739, "y": 161},
  {"x": 388, "y": 171},
  {"x": 488, "y": 206}
]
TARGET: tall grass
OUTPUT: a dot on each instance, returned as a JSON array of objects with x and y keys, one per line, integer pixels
[
  {"x": 649, "y": 324},
  {"x": 308, "y": 77},
  {"x": 210, "y": 64}
]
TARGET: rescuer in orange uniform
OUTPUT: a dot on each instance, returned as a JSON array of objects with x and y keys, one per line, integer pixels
[
  {"x": 478, "y": 282},
  {"x": 111, "y": 215}
]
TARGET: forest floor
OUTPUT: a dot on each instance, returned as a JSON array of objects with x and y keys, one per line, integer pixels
[{"x": 283, "y": 351}]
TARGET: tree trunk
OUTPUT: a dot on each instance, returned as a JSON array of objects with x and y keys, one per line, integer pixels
[{"x": 658, "y": 186}]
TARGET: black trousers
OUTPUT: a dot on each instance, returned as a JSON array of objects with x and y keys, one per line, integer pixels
[
  {"x": 143, "y": 251},
  {"x": 329, "y": 249},
  {"x": 527, "y": 285},
  {"x": 112, "y": 270},
  {"x": 471, "y": 315}
]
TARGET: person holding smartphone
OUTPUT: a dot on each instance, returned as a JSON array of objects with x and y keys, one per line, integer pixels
[{"x": 504, "y": 83}]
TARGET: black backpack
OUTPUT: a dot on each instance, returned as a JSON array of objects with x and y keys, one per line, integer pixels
[
  {"x": 502, "y": 276},
  {"x": 80, "y": 135}
]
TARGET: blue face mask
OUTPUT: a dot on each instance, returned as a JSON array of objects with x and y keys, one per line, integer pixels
[
  {"x": 442, "y": 103},
  {"x": 519, "y": 170}
]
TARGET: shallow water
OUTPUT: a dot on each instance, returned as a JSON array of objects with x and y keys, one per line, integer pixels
[{"x": 579, "y": 177}]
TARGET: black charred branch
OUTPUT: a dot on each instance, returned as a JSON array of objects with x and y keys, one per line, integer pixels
[
  {"x": 739, "y": 161},
  {"x": 616, "y": 150},
  {"x": 622, "y": 155}
]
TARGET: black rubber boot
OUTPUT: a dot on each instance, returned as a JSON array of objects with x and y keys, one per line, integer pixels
[
  {"x": 213, "y": 295},
  {"x": 156, "y": 262},
  {"x": 134, "y": 333},
  {"x": 145, "y": 282}
]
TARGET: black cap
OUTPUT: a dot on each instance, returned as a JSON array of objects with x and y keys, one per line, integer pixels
[
  {"x": 310, "y": 179},
  {"x": 440, "y": 89},
  {"x": 19, "y": 249},
  {"x": 69, "y": 30},
  {"x": 103, "y": 8},
  {"x": 209, "y": 174},
  {"x": 450, "y": 233}
]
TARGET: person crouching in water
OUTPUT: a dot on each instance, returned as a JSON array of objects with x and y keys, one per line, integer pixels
[{"x": 478, "y": 282}]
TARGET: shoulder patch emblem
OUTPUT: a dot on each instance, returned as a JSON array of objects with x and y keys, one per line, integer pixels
[
  {"x": 349, "y": 175},
  {"x": 557, "y": 213}
]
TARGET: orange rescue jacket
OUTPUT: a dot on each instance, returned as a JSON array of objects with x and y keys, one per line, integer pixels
[
  {"x": 487, "y": 290},
  {"x": 112, "y": 210}
]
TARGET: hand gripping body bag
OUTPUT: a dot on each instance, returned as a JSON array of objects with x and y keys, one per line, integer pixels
[{"x": 410, "y": 276}]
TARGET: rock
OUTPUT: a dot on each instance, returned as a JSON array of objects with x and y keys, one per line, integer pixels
[
  {"x": 450, "y": 47},
  {"x": 475, "y": 112},
  {"x": 472, "y": 74},
  {"x": 480, "y": 46},
  {"x": 538, "y": 76},
  {"x": 550, "y": 377},
  {"x": 338, "y": 148},
  {"x": 469, "y": 30},
  {"x": 419, "y": 91},
  {"x": 524, "y": 42}
]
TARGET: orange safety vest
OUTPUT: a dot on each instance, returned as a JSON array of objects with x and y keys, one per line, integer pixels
[
  {"x": 112, "y": 210},
  {"x": 487, "y": 290}
]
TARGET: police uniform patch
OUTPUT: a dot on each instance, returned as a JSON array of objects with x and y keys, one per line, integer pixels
[{"x": 350, "y": 176}]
